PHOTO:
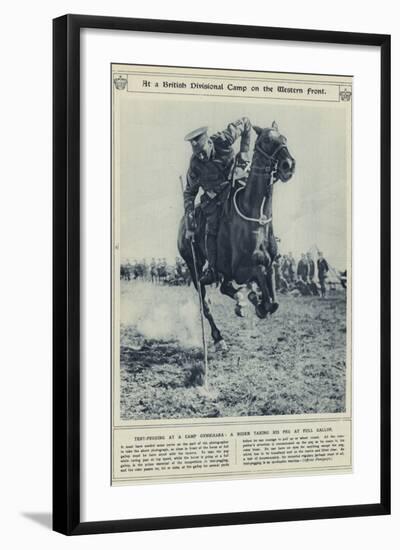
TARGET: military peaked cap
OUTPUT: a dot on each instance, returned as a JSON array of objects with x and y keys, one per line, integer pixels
[{"x": 197, "y": 138}]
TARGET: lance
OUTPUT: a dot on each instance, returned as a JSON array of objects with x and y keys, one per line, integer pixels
[{"x": 200, "y": 295}]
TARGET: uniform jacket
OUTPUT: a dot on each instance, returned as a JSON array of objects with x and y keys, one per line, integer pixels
[
  {"x": 302, "y": 269},
  {"x": 213, "y": 174},
  {"x": 311, "y": 269},
  {"x": 322, "y": 266}
]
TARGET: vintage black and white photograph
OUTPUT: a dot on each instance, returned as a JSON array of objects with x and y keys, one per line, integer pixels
[{"x": 232, "y": 245}]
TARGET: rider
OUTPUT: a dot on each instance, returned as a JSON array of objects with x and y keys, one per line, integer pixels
[{"x": 210, "y": 168}]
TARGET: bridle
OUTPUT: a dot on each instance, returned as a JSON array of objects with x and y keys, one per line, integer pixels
[{"x": 273, "y": 160}]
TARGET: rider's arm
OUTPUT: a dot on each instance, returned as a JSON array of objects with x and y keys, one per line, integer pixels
[
  {"x": 191, "y": 190},
  {"x": 241, "y": 128}
]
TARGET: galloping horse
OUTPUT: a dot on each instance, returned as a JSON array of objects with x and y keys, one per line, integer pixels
[{"x": 246, "y": 243}]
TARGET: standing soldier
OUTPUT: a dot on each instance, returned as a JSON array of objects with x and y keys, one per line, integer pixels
[
  {"x": 128, "y": 268},
  {"x": 210, "y": 168},
  {"x": 292, "y": 267},
  {"x": 144, "y": 270},
  {"x": 323, "y": 268},
  {"x": 285, "y": 269},
  {"x": 162, "y": 270},
  {"x": 153, "y": 270},
  {"x": 302, "y": 269},
  {"x": 302, "y": 276},
  {"x": 311, "y": 274}
]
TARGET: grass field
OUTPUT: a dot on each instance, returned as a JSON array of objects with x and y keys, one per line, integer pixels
[{"x": 292, "y": 363}]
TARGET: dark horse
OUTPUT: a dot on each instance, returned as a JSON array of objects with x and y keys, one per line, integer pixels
[{"x": 246, "y": 243}]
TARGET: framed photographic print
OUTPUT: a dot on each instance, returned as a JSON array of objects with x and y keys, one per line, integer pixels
[{"x": 220, "y": 355}]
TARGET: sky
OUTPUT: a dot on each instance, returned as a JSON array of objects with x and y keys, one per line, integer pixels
[{"x": 310, "y": 210}]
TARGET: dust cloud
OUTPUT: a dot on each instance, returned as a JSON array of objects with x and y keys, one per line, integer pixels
[{"x": 159, "y": 314}]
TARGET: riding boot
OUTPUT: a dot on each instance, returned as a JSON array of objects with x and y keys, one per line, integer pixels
[{"x": 210, "y": 275}]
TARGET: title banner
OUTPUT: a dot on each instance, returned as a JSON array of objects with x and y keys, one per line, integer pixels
[{"x": 233, "y": 87}]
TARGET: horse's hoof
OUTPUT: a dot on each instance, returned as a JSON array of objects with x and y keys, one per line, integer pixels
[
  {"x": 261, "y": 312},
  {"x": 253, "y": 298},
  {"x": 221, "y": 345},
  {"x": 239, "y": 310},
  {"x": 273, "y": 307}
]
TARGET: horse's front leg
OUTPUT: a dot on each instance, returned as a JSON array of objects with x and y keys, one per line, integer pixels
[
  {"x": 219, "y": 342},
  {"x": 264, "y": 276},
  {"x": 228, "y": 289},
  {"x": 270, "y": 278}
]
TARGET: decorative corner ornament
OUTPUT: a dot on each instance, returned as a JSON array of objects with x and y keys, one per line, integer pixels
[
  {"x": 120, "y": 82},
  {"x": 344, "y": 94}
]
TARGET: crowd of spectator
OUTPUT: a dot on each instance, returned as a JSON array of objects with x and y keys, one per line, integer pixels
[
  {"x": 301, "y": 277},
  {"x": 157, "y": 271},
  {"x": 305, "y": 277}
]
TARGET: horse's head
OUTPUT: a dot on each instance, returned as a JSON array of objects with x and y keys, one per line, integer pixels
[{"x": 273, "y": 153}]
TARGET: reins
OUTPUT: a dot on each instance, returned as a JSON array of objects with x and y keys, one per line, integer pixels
[{"x": 262, "y": 219}]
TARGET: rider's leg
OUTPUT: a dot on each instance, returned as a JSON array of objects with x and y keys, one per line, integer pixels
[{"x": 210, "y": 275}]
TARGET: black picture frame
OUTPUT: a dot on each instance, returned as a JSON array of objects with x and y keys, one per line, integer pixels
[{"x": 66, "y": 273}]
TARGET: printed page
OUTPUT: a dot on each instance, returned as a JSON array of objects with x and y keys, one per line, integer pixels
[{"x": 231, "y": 287}]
